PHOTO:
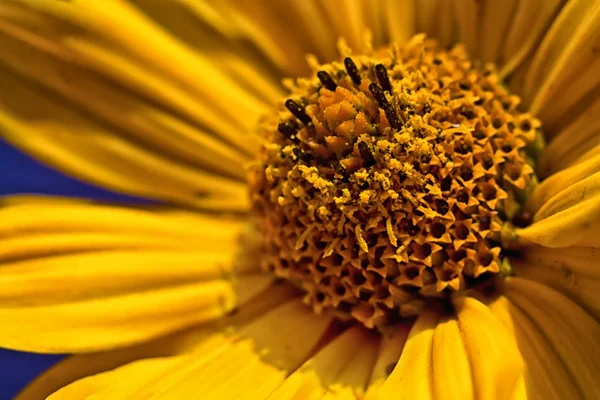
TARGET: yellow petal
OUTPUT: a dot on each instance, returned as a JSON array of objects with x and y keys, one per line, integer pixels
[
  {"x": 104, "y": 322},
  {"x": 249, "y": 365},
  {"x": 132, "y": 122},
  {"x": 268, "y": 33},
  {"x": 341, "y": 369},
  {"x": 573, "y": 271},
  {"x": 496, "y": 363},
  {"x": 497, "y": 19},
  {"x": 310, "y": 25},
  {"x": 527, "y": 27},
  {"x": 90, "y": 150},
  {"x": 80, "y": 366},
  {"x": 560, "y": 181},
  {"x": 569, "y": 218},
  {"x": 269, "y": 350},
  {"x": 447, "y": 27},
  {"x": 467, "y": 22},
  {"x": 565, "y": 68},
  {"x": 52, "y": 215},
  {"x": 452, "y": 377},
  {"x": 157, "y": 49},
  {"x": 587, "y": 155},
  {"x": 413, "y": 376},
  {"x": 201, "y": 25},
  {"x": 79, "y": 277},
  {"x": 425, "y": 16},
  {"x": 401, "y": 19},
  {"x": 388, "y": 356},
  {"x": 572, "y": 333},
  {"x": 125, "y": 382},
  {"x": 348, "y": 21},
  {"x": 545, "y": 375},
  {"x": 572, "y": 142}
]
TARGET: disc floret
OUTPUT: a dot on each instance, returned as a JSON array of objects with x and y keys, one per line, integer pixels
[{"x": 386, "y": 180}]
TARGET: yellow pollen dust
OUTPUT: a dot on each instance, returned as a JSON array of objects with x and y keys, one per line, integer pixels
[{"x": 385, "y": 181}]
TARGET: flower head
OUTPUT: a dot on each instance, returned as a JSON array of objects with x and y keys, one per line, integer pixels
[{"x": 387, "y": 223}]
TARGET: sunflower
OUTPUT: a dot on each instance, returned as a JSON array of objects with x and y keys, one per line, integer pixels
[{"x": 413, "y": 213}]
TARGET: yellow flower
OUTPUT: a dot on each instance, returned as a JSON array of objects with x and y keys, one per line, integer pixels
[{"x": 162, "y": 99}]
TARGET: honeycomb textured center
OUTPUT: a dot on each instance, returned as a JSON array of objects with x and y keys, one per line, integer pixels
[{"x": 386, "y": 179}]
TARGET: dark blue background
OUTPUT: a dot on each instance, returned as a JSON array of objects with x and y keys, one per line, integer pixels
[{"x": 20, "y": 174}]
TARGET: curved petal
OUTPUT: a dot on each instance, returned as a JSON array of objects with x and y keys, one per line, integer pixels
[
  {"x": 469, "y": 356},
  {"x": 400, "y": 19},
  {"x": 545, "y": 374},
  {"x": 341, "y": 369},
  {"x": 131, "y": 116},
  {"x": 496, "y": 363},
  {"x": 452, "y": 376},
  {"x": 251, "y": 364},
  {"x": 572, "y": 142},
  {"x": 388, "y": 355},
  {"x": 81, "y": 366},
  {"x": 81, "y": 277},
  {"x": 571, "y": 217},
  {"x": 413, "y": 375},
  {"x": 564, "y": 68},
  {"x": 573, "y": 271},
  {"x": 468, "y": 24},
  {"x": 497, "y": 19},
  {"x": 561, "y": 180},
  {"x": 527, "y": 27},
  {"x": 569, "y": 331}
]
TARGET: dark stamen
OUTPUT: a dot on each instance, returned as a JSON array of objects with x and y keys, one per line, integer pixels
[
  {"x": 326, "y": 80},
  {"x": 382, "y": 77},
  {"x": 390, "y": 114},
  {"x": 377, "y": 92},
  {"x": 302, "y": 155},
  {"x": 339, "y": 168},
  {"x": 365, "y": 153},
  {"x": 298, "y": 112},
  {"x": 352, "y": 70},
  {"x": 287, "y": 129}
]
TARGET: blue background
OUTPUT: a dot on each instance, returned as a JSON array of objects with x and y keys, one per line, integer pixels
[{"x": 20, "y": 174}]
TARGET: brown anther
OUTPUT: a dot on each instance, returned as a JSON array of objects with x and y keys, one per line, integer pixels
[
  {"x": 366, "y": 154},
  {"x": 302, "y": 155},
  {"x": 352, "y": 70},
  {"x": 339, "y": 168},
  {"x": 378, "y": 94},
  {"x": 326, "y": 80},
  {"x": 287, "y": 129},
  {"x": 298, "y": 112},
  {"x": 382, "y": 77},
  {"x": 390, "y": 114}
]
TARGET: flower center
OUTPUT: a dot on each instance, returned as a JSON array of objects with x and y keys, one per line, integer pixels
[{"x": 386, "y": 181}]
